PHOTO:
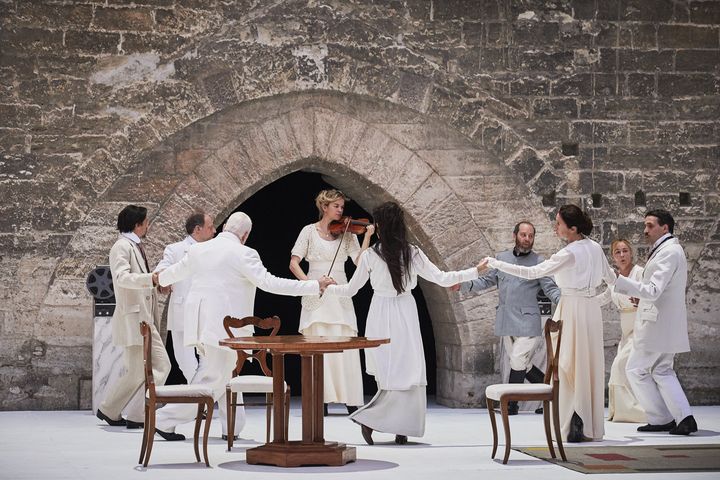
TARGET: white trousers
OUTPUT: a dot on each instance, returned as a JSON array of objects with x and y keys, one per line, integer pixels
[
  {"x": 520, "y": 350},
  {"x": 656, "y": 386},
  {"x": 126, "y": 394},
  {"x": 185, "y": 356},
  {"x": 215, "y": 371}
]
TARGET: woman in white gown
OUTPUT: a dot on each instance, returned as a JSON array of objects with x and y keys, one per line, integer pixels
[
  {"x": 579, "y": 269},
  {"x": 393, "y": 266},
  {"x": 623, "y": 406},
  {"x": 331, "y": 316}
]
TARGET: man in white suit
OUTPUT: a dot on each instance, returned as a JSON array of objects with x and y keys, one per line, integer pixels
[
  {"x": 136, "y": 301},
  {"x": 225, "y": 276},
  {"x": 660, "y": 329},
  {"x": 200, "y": 228}
]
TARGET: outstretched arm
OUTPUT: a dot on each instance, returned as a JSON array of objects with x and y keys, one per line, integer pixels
[
  {"x": 254, "y": 270},
  {"x": 562, "y": 259},
  {"x": 488, "y": 280},
  {"x": 429, "y": 271},
  {"x": 359, "y": 278}
]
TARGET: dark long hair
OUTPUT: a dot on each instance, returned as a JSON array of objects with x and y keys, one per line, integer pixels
[
  {"x": 573, "y": 216},
  {"x": 392, "y": 245}
]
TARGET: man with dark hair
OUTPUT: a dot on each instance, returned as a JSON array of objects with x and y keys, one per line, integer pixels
[
  {"x": 517, "y": 318},
  {"x": 136, "y": 301},
  {"x": 199, "y": 227},
  {"x": 660, "y": 329}
]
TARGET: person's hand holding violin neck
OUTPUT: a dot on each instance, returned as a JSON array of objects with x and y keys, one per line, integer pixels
[{"x": 349, "y": 225}]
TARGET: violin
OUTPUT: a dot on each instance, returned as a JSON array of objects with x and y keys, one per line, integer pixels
[
  {"x": 349, "y": 225},
  {"x": 346, "y": 224}
]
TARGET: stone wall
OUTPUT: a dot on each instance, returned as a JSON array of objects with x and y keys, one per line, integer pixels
[{"x": 487, "y": 110}]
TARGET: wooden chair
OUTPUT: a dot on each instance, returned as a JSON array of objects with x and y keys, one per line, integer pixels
[
  {"x": 547, "y": 392},
  {"x": 171, "y": 394},
  {"x": 252, "y": 383}
]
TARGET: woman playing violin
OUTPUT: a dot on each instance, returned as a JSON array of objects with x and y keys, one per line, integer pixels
[{"x": 326, "y": 253}]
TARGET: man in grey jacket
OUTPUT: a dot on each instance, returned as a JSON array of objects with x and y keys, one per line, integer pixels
[{"x": 518, "y": 319}]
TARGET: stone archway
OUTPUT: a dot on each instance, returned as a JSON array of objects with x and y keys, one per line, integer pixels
[{"x": 461, "y": 200}]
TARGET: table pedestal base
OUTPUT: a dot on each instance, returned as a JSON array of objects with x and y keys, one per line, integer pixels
[{"x": 296, "y": 454}]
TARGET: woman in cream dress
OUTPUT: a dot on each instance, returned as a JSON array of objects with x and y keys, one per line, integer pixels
[
  {"x": 392, "y": 266},
  {"x": 331, "y": 316},
  {"x": 622, "y": 404},
  {"x": 579, "y": 269}
]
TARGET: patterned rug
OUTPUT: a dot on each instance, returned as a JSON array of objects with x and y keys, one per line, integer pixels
[{"x": 629, "y": 459}]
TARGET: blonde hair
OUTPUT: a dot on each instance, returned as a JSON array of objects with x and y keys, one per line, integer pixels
[
  {"x": 326, "y": 197},
  {"x": 626, "y": 242}
]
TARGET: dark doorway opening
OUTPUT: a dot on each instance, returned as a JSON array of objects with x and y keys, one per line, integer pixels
[{"x": 279, "y": 211}]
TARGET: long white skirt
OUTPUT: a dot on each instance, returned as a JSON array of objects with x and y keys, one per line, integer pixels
[
  {"x": 342, "y": 372},
  {"x": 581, "y": 365},
  {"x": 400, "y": 412},
  {"x": 623, "y": 406}
]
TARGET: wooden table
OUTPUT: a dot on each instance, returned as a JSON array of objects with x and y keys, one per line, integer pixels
[{"x": 313, "y": 449}]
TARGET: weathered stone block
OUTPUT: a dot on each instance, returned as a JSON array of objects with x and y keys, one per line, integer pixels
[
  {"x": 681, "y": 85},
  {"x": 688, "y": 36},
  {"x": 705, "y": 12}
]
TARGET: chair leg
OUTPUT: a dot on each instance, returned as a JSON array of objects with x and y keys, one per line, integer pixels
[
  {"x": 268, "y": 415},
  {"x": 210, "y": 405},
  {"x": 548, "y": 433},
  {"x": 491, "y": 413},
  {"x": 558, "y": 433},
  {"x": 198, "y": 420},
  {"x": 231, "y": 400},
  {"x": 145, "y": 434},
  {"x": 287, "y": 412},
  {"x": 150, "y": 429},
  {"x": 506, "y": 426}
]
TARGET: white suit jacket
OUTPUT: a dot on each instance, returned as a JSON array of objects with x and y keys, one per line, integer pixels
[
  {"x": 661, "y": 322},
  {"x": 225, "y": 274},
  {"x": 173, "y": 254},
  {"x": 135, "y": 296}
]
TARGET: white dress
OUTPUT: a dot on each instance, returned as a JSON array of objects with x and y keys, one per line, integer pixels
[
  {"x": 331, "y": 316},
  {"x": 399, "y": 366},
  {"x": 623, "y": 406},
  {"x": 579, "y": 269}
]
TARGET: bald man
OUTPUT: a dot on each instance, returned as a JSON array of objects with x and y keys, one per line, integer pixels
[{"x": 225, "y": 274}]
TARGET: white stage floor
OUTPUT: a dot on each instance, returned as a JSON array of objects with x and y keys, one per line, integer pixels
[{"x": 457, "y": 445}]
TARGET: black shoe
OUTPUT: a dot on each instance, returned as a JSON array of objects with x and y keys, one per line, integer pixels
[
  {"x": 170, "y": 436},
  {"x": 351, "y": 409},
  {"x": 367, "y": 434},
  {"x": 539, "y": 411},
  {"x": 131, "y": 425},
  {"x": 685, "y": 427},
  {"x": 657, "y": 428},
  {"x": 110, "y": 421},
  {"x": 225, "y": 437},
  {"x": 576, "y": 435},
  {"x": 535, "y": 375},
  {"x": 401, "y": 439},
  {"x": 513, "y": 408},
  {"x": 325, "y": 410}
]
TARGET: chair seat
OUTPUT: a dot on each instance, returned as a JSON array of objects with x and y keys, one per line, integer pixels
[
  {"x": 252, "y": 383},
  {"x": 182, "y": 391},
  {"x": 494, "y": 392}
]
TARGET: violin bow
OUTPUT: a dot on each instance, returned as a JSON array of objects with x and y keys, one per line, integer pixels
[{"x": 342, "y": 239}]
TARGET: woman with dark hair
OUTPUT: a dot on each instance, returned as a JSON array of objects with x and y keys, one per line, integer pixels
[
  {"x": 579, "y": 269},
  {"x": 393, "y": 266}
]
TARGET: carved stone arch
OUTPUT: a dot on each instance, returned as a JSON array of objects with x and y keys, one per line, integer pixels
[{"x": 461, "y": 200}]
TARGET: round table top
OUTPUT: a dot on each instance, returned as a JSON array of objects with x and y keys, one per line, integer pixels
[{"x": 302, "y": 343}]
